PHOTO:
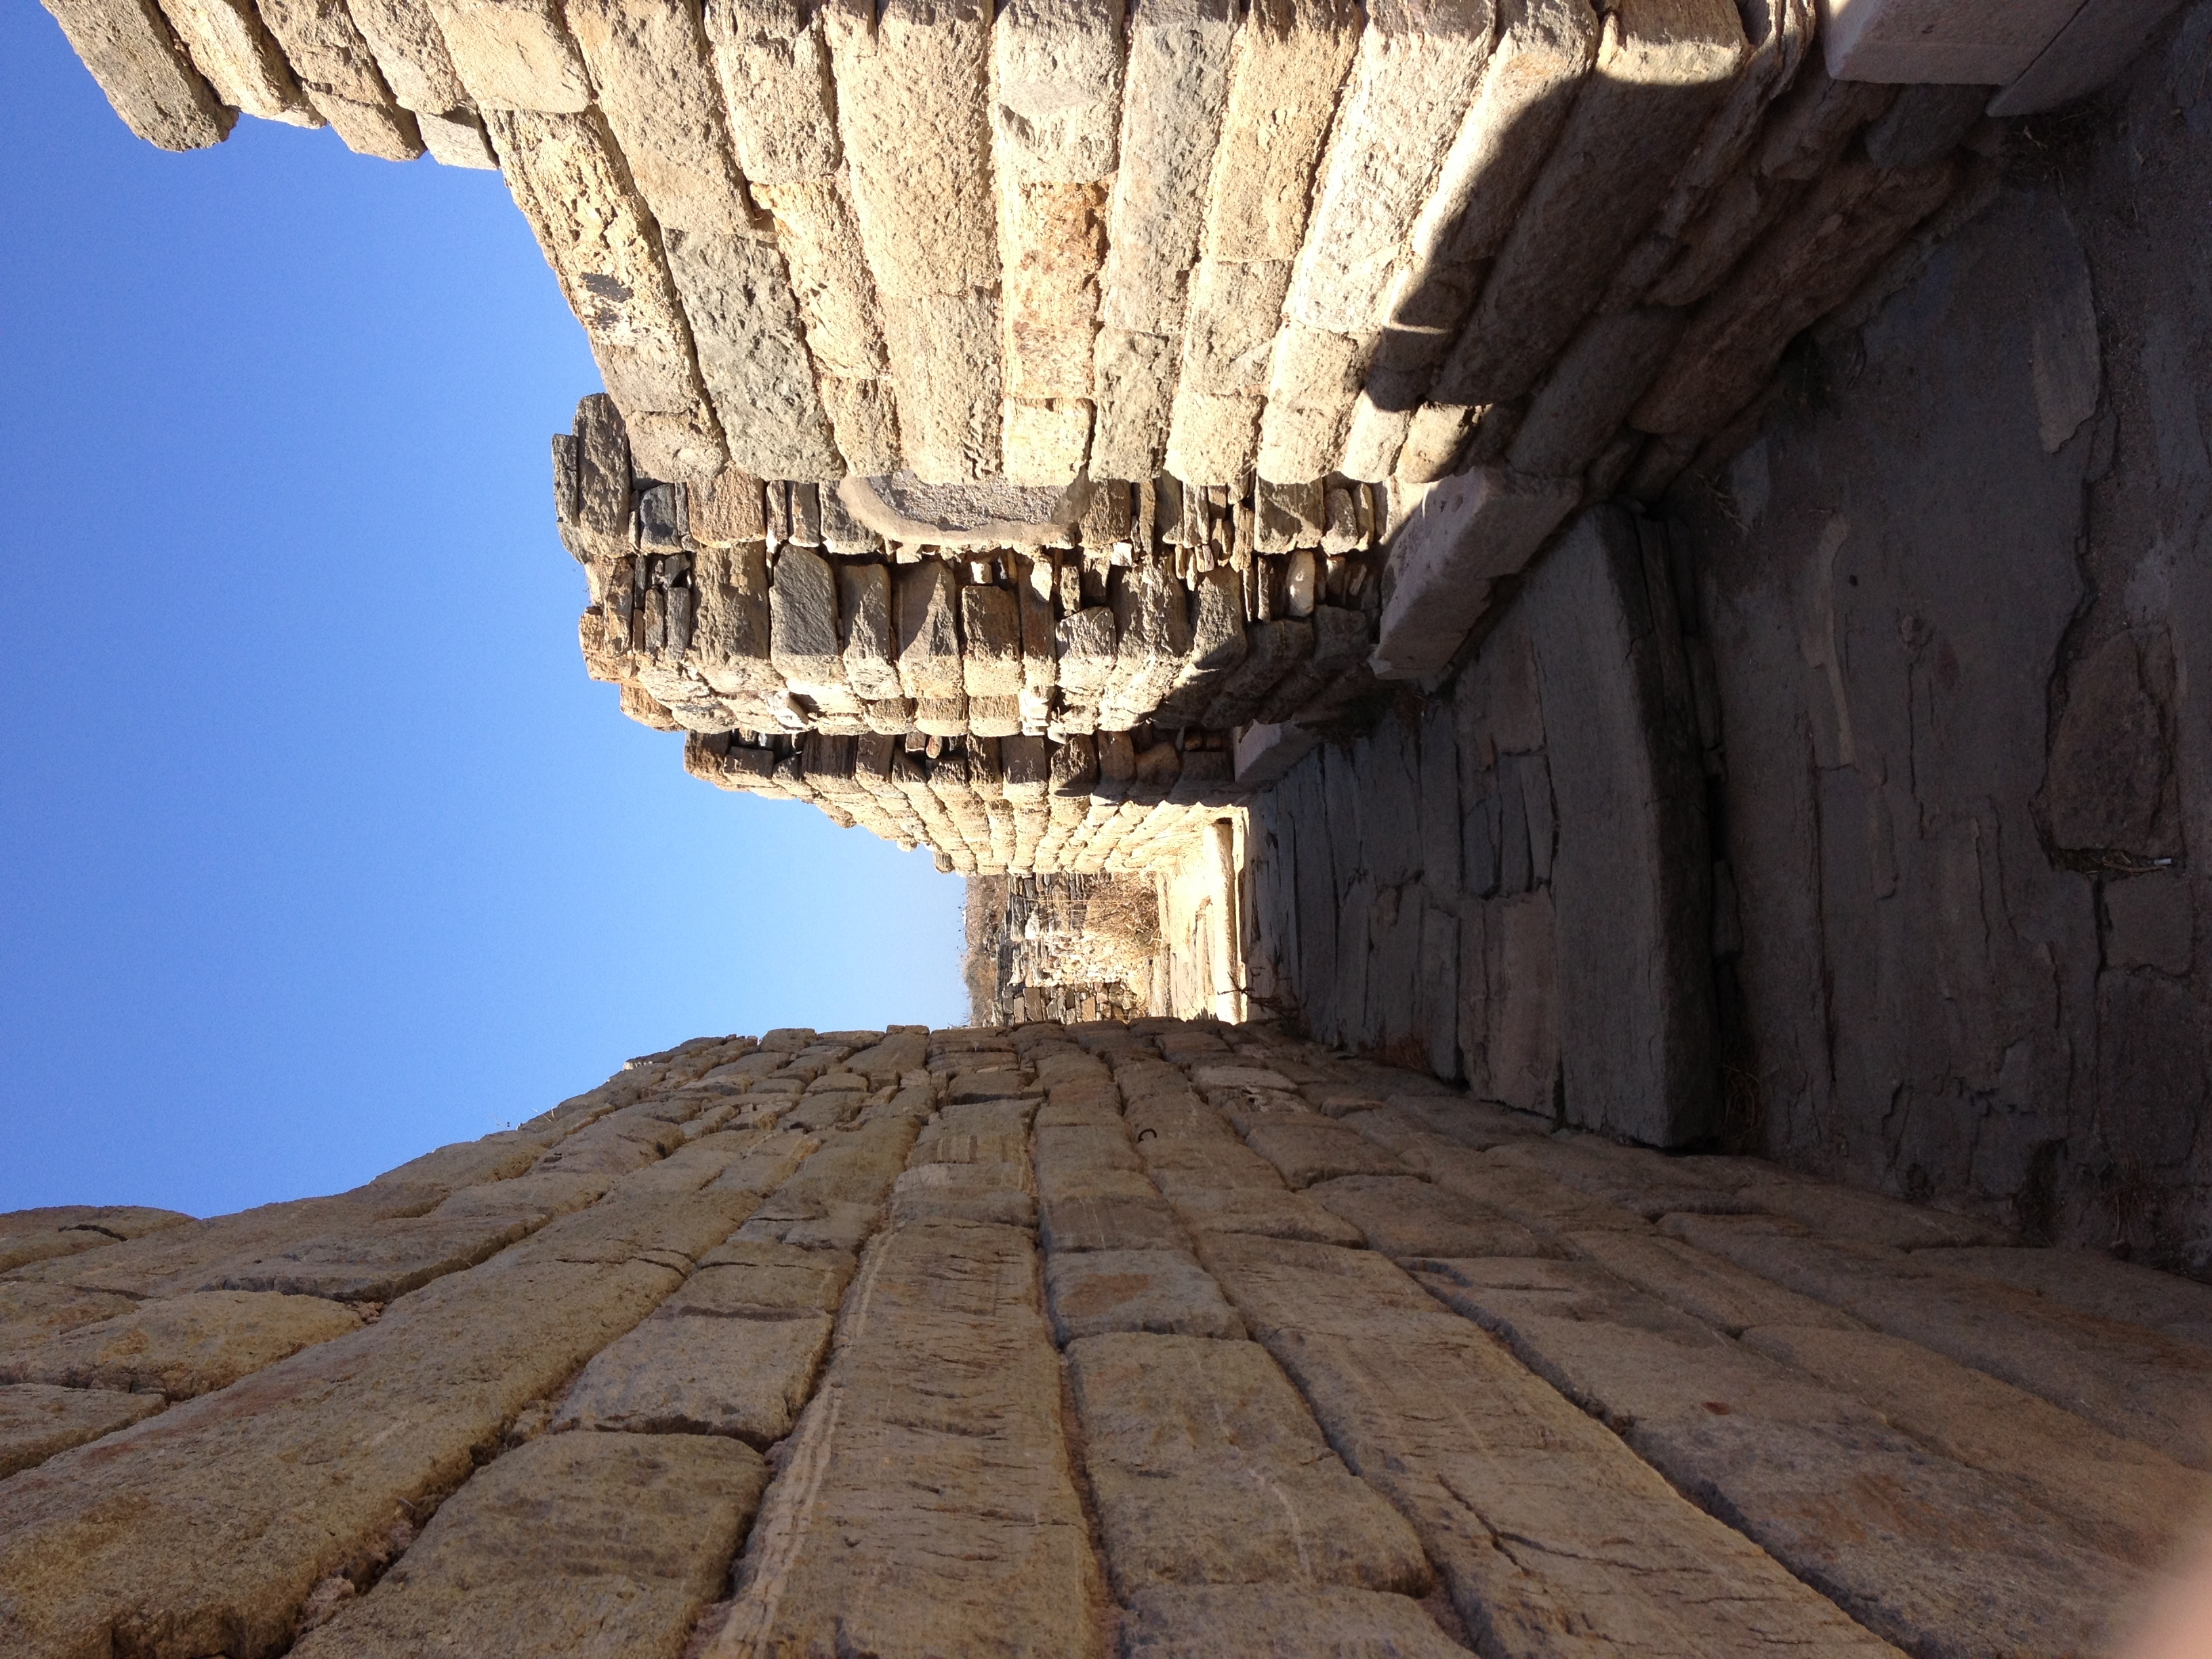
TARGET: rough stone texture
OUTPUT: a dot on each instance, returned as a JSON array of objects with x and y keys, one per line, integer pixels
[
  {"x": 1095, "y": 1293},
  {"x": 695, "y": 1368},
  {"x": 39, "y": 1419},
  {"x": 598, "y": 1543},
  {"x": 1208, "y": 1468},
  {"x": 1662, "y": 68},
  {"x": 571, "y": 184},
  {"x": 960, "y": 1515},
  {"x": 1251, "y": 1621},
  {"x": 514, "y": 55},
  {"x": 227, "y": 42},
  {"x": 147, "y": 75},
  {"x": 411, "y": 52},
  {"x": 181, "y": 1346}
]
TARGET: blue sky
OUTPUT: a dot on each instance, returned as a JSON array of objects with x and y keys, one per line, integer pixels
[{"x": 321, "y": 850}]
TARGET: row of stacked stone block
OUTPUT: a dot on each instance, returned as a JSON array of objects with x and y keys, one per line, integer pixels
[
  {"x": 763, "y": 608},
  {"x": 1050, "y": 242},
  {"x": 991, "y": 805}
]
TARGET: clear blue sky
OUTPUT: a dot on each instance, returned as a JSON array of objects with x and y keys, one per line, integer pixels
[{"x": 320, "y": 848}]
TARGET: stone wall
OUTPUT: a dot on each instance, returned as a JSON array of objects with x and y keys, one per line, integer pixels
[{"x": 1156, "y": 1338}]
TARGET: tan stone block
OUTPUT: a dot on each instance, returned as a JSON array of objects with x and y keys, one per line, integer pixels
[
  {"x": 945, "y": 362},
  {"x": 752, "y": 353},
  {"x": 1403, "y": 102},
  {"x": 182, "y": 1345},
  {"x": 1207, "y": 1468},
  {"x": 568, "y": 1543},
  {"x": 979, "y": 1540},
  {"x": 1176, "y": 92},
  {"x": 927, "y": 213},
  {"x": 774, "y": 62},
  {"x": 1663, "y": 66},
  {"x": 1098, "y": 1292},
  {"x": 1153, "y": 625},
  {"x": 1229, "y": 330},
  {"x": 458, "y": 140},
  {"x": 411, "y": 52},
  {"x": 38, "y": 1420},
  {"x": 928, "y": 607},
  {"x": 1291, "y": 61},
  {"x": 380, "y": 127},
  {"x": 512, "y": 55},
  {"x": 146, "y": 72},
  {"x": 864, "y": 413},
  {"x": 1135, "y": 377},
  {"x": 647, "y": 62},
  {"x": 229, "y": 44},
  {"x": 212, "y": 1522},
  {"x": 990, "y": 628},
  {"x": 1086, "y": 645},
  {"x": 702, "y": 1372},
  {"x": 572, "y": 184},
  {"x": 870, "y": 641},
  {"x": 1055, "y": 90},
  {"x": 1312, "y": 385},
  {"x": 1211, "y": 437},
  {"x": 1046, "y": 443},
  {"x": 1227, "y": 1621},
  {"x": 1053, "y": 238}
]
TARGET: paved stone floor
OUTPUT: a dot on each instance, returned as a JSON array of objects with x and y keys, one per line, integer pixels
[{"x": 1160, "y": 1339}]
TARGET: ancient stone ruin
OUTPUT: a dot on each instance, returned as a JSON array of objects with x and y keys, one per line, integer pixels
[{"x": 1556, "y": 639}]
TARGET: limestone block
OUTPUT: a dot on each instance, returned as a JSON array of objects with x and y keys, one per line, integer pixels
[
  {"x": 821, "y": 242},
  {"x": 727, "y": 511},
  {"x": 228, "y": 43},
  {"x": 378, "y": 128},
  {"x": 1046, "y": 443},
  {"x": 603, "y": 513},
  {"x": 1273, "y": 650},
  {"x": 870, "y": 643},
  {"x": 1055, "y": 90},
  {"x": 1053, "y": 238},
  {"x": 1229, "y": 330},
  {"x": 1086, "y": 647},
  {"x": 1404, "y": 1218},
  {"x": 1096, "y": 1292},
  {"x": 731, "y": 636},
  {"x": 1262, "y": 1212},
  {"x": 145, "y": 71},
  {"x": 1778, "y": 32},
  {"x": 1176, "y": 91},
  {"x": 946, "y": 363},
  {"x": 1473, "y": 1448},
  {"x": 1207, "y": 1468},
  {"x": 1662, "y": 68},
  {"x": 339, "y": 74},
  {"x": 1415, "y": 76},
  {"x": 927, "y": 614},
  {"x": 217, "y": 1529},
  {"x": 1290, "y": 60},
  {"x": 1225, "y": 1619},
  {"x": 1153, "y": 626},
  {"x": 1134, "y": 374},
  {"x": 1312, "y": 384},
  {"x": 1708, "y": 1288},
  {"x": 752, "y": 353},
  {"x": 774, "y": 65},
  {"x": 648, "y": 60},
  {"x": 512, "y": 55},
  {"x": 374, "y": 1262},
  {"x": 1636, "y": 1034},
  {"x": 864, "y": 416},
  {"x": 691, "y": 1371},
  {"x": 1342, "y": 641},
  {"x": 2088, "y": 1282},
  {"x": 29, "y": 1235},
  {"x": 1544, "y": 49},
  {"x": 1309, "y": 1149},
  {"x": 29, "y": 1313},
  {"x": 37, "y": 1420},
  {"x": 572, "y": 184},
  {"x": 569, "y": 1543},
  {"x": 1211, "y": 437},
  {"x": 1809, "y": 262},
  {"x": 1591, "y": 390},
  {"x": 181, "y": 1346},
  {"x": 411, "y": 52},
  {"x": 1218, "y": 646},
  {"x": 458, "y": 140},
  {"x": 912, "y": 113},
  {"x": 979, "y": 1542},
  {"x": 991, "y": 637},
  {"x": 1976, "y": 44},
  {"x": 1467, "y": 532}
]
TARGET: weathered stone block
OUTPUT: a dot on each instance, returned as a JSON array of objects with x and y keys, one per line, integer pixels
[
  {"x": 228, "y": 43},
  {"x": 514, "y": 55},
  {"x": 147, "y": 75},
  {"x": 1096, "y": 1292},
  {"x": 1465, "y": 534},
  {"x": 691, "y": 1370}
]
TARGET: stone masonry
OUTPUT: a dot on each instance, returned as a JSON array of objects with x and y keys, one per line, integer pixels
[{"x": 1163, "y": 1338}]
